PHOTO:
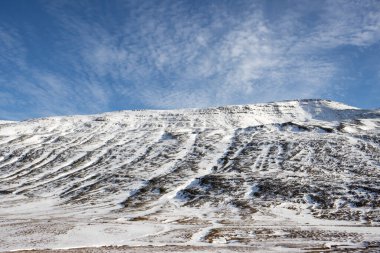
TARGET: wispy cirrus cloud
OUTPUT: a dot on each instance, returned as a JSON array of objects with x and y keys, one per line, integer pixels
[
  {"x": 12, "y": 51},
  {"x": 164, "y": 54},
  {"x": 354, "y": 23}
]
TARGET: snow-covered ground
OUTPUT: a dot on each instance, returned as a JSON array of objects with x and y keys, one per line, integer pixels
[{"x": 291, "y": 176}]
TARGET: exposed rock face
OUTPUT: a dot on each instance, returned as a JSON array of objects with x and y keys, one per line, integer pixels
[{"x": 317, "y": 156}]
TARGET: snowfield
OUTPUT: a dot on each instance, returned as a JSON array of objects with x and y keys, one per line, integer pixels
[{"x": 288, "y": 176}]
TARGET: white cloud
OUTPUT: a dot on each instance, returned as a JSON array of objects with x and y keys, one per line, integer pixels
[
  {"x": 12, "y": 50},
  {"x": 171, "y": 54},
  {"x": 175, "y": 53},
  {"x": 345, "y": 22}
]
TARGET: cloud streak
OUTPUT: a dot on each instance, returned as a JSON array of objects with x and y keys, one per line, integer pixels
[{"x": 125, "y": 54}]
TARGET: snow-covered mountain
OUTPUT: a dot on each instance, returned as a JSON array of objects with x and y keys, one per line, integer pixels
[{"x": 284, "y": 174}]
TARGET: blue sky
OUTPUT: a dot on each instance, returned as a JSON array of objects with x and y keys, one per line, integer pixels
[{"x": 81, "y": 57}]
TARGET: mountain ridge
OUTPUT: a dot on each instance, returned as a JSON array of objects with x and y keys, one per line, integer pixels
[{"x": 225, "y": 107}]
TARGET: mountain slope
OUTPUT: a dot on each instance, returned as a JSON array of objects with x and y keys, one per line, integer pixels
[{"x": 195, "y": 176}]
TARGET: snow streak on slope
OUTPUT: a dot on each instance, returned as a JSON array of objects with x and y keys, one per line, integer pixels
[{"x": 268, "y": 175}]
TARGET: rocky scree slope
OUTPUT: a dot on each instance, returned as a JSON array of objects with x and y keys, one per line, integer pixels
[{"x": 312, "y": 154}]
